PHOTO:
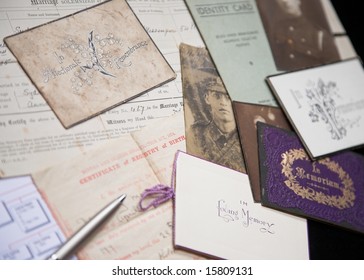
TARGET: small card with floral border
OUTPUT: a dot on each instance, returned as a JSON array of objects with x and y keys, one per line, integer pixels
[
  {"x": 328, "y": 190},
  {"x": 325, "y": 105},
  {"x": 91, "y": 61}
]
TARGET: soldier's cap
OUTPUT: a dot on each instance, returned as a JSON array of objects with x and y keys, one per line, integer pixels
[
  {"x": 214, "y": 81},
  {"x": 216, "y": 85}
]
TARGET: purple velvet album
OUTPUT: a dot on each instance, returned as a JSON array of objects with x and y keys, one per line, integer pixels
[{"x": 330, "y": 189}]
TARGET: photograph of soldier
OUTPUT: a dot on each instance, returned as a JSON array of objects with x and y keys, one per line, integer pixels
[
  {"x": 211, "y": 131},
  {"x": 298, "y": 33}
]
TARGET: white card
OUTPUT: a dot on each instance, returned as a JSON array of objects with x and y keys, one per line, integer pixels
[
  {"x": 325, "y": 105},
  {"x": 215, "y": 215}
]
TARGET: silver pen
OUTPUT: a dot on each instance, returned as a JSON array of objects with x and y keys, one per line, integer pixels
[{"x": 71, "y": 245}]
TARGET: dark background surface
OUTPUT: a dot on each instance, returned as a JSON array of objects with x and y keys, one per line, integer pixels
[
  {"x": 351, "y": 16},
  {"x": 329, "y": 242}
]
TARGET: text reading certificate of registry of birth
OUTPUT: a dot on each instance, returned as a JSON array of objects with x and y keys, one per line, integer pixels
[{"x": 31, "y": 136}]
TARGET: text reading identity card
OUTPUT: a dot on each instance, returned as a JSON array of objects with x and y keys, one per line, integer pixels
[
  {"x": 329, "y": 189},
  {"x": 90, "y": 61},
  {"x": 216, "y": 216},
  {"x": 325, "y": 105}
]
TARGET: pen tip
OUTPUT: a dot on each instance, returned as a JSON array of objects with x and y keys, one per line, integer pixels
[{"x": 122, "y": 197}]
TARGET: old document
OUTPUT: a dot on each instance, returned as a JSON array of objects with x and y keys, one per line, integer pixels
[
  {"x": 31, "y": 137},
  {"x": 28, "y": 230},
  {"x": 90, "y": 66},
  {"x": 77, "y": 188}
]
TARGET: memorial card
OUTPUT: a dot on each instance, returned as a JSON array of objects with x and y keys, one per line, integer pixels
[
  {"x": 328, "y": 190},
  {"x": 91, "y": 61},
  {"x": 217, "y": 217},
  {"x": 325, "y": 105}
]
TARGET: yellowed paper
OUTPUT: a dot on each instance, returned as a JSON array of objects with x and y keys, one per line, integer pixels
[
  {"x": 91, "y": 61},
  {"x": 31, "y": 136},
  {"x": 76, "y": 189},
  {"x": 211, "y": 130}
]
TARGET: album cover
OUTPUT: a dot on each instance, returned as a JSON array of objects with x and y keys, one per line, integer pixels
[
  {"x": 325, "y": 105},
  {"x": 329, "y": 190},
  {"x": 91, "y": 61}
]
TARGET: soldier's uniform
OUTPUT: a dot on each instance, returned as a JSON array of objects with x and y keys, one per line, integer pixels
[
  {"x": 205, "y": 140},
  {"x": 298, "y": 44}
]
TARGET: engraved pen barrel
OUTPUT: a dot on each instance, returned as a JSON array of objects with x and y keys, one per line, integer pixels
[{"x": 87, "y": 229}]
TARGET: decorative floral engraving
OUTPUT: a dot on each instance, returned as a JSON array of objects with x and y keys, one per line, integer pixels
[
  {"x": 322, "y": 100},
  {"x": 346, "y": 200},
  {"x": 94, "y": 57},
  {"x": 105, "y": 55}
]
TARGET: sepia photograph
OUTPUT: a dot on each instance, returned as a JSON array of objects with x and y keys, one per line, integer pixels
[
  {"x": 298, "y": 33},
  {"x": 211, "y": 131},
  {"x": 246, "y": 117}
]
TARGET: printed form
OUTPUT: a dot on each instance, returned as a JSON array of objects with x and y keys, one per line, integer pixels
[
  {"x": 130, "y": 164},
  {"x": 27, "y": 228},
  {"x": 31, "y": 137}
]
